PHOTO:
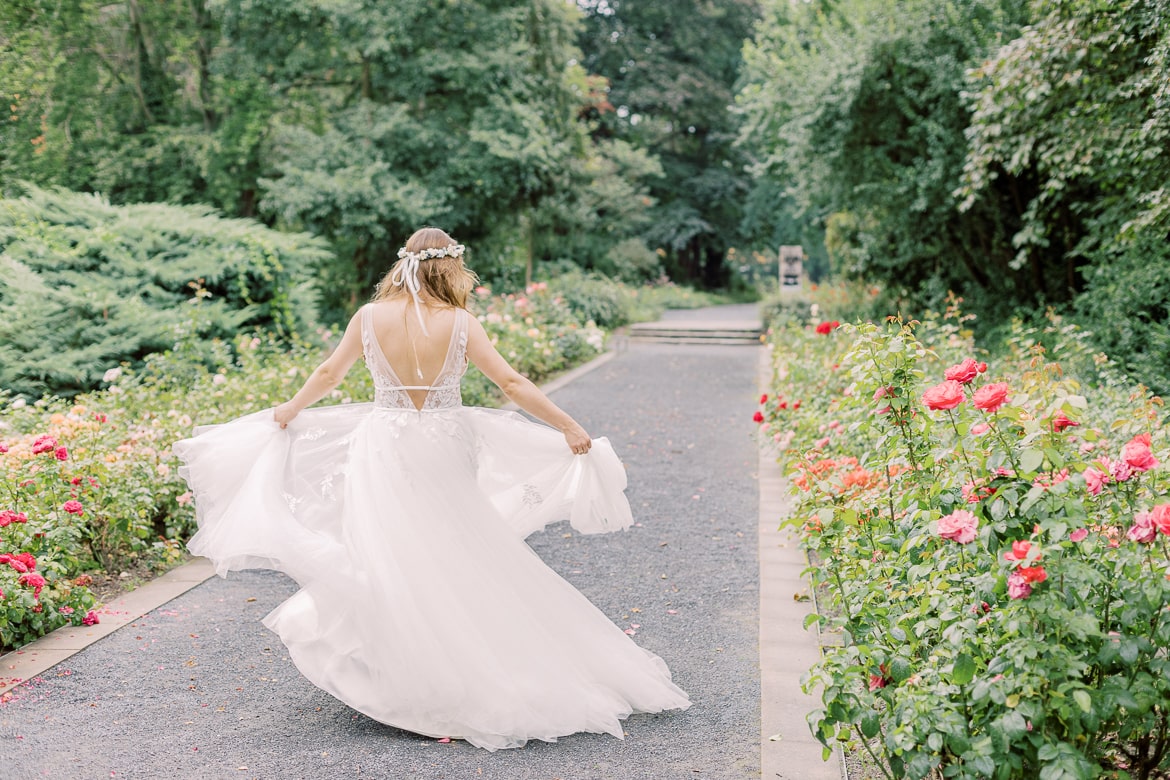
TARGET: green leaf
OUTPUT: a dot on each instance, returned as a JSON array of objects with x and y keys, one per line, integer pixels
[
  {"x": 870, "y": 725},
  {"x": 1083, "y": 700},
  {"x": 964, "y": 669},
  {"x": 1031, "y": 460}
]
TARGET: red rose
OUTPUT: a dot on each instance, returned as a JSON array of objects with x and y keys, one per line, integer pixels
[
  {"x": 1060, "y": 422},
  {"x": 825, "y": 328},
  {"x": 758, "y": 417},
  {"x": 963, "y": 373},
  {"x": 947, "y": 395},
  {"x": 33, "y": 580},
  {"x": 27, "y": 559},
  {"x": 990, "y": 397},
  {"x": 1033, "y": 575},
  {"x": 764, "y": 398},
  {"x": 1137, "y": 453}
]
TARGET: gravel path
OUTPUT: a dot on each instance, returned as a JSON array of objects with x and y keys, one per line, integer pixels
[{"x": 200, "y": 689}]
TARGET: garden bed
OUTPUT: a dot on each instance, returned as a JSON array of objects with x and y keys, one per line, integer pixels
[{"x": 991, "y": 546}]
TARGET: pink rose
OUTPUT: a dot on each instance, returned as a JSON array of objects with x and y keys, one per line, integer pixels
[
  {"x": 8, "y": 517},
  {"x": 958, "y": 526},
  {"x": 1018, "y": 587},
  {"x": 1078, "y": 535},
  {"x": 1160, "y": 517},
  {"x": 65, "y": 610},
  {"x": 43, "y": 443},
  {"x": 978, "y": 429},
  {"x": 963, "y": 373},
  {"x": 1121, "y": 471},
  {"x": 14, "y": 562},
  {"x": 27, "y": 559},
  {"x": 3, "y": 448},
  {"x": 990, "y": 397},
  {"x": 62, "y": 453},
  {"x": 1143, "y": 530},
  {"x": 90, "y": 618},
  {"x": 73, "y": 508},
  {"x": 947, "y": 395},
  {"x": 1137, "y": 453},
  {"x": 1095, "y": 479}
]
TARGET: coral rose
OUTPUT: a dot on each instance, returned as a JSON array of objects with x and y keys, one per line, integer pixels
[
  {"x": 964, "y": 372},
  {"x": 959, "y": 526},
  {"x": 947, "y": 395},
  {"x": 1137, "y": 453},
  {"x": 1160, "y": 518},
  {"x": 990, "y": 397}
]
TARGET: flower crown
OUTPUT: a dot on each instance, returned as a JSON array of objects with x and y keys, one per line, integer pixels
[{"x": 451, "y": 250}]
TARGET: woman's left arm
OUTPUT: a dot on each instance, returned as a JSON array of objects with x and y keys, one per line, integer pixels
[{"x": 326, "y": 376}]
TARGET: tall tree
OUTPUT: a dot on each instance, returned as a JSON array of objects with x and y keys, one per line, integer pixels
[
  {"x": 856, "y": 121},
  {"x": 672, "y": 69}
]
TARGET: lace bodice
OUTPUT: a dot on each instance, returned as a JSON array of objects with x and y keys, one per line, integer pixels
[{"x": 389, "y": 392}]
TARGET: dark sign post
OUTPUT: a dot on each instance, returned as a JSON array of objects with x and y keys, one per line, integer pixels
[{"x": 791, "y": 262}]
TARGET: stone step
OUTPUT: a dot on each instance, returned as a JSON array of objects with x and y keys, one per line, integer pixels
[
  {"x": 685, "y": 340},
  {"x": 696, "y": 332}
]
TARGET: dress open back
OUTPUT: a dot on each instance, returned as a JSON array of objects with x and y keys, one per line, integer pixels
[{"x": 420, "y": 604}]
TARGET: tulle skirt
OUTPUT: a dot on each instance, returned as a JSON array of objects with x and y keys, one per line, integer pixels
[{"x": 420, "y": 603}]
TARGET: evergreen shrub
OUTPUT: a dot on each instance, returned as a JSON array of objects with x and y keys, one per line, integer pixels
[{"x": 86, "y": 286}]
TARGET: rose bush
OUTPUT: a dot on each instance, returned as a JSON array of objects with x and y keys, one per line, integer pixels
[{"x": 990, "y": 549}]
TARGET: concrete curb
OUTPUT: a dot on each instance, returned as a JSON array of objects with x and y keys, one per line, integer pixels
[
  {"x": 25, "y": 663},
  {"x": 38, "y": 656},
  {"x": 787, "y": 650}
]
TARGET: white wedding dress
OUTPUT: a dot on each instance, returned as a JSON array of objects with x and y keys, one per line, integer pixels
[{"x": 420, "y": 603}]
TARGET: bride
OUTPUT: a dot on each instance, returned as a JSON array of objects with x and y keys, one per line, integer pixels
[{"x": 403, "y": 522}]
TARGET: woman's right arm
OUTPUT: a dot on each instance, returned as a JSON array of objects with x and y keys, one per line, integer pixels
[{"x": 520, "y": 390}]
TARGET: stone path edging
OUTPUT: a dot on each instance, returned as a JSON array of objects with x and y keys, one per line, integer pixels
[
  {"x": 788, "y": 750},
  {"x": 23, "y": 664}
]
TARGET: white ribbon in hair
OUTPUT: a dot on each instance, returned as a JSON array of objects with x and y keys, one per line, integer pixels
[{"x": 406, "y": 274}]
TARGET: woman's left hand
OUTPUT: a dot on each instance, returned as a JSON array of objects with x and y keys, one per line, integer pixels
[{"x": 285, "y": 413}]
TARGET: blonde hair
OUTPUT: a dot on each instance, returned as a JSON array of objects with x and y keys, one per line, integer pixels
[{"x": 443, "y": 279}]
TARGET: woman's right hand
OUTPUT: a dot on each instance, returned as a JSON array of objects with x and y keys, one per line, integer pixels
[{"x": 577, "y": 439}]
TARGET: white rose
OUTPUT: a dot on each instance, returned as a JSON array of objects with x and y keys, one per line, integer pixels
[{"x": 112, "y": 374}]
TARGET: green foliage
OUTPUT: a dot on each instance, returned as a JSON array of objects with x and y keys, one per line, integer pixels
[
  {"x": 855, "y": 116},
  {"x": 672, "y": 69},
  {"x": 86, "y": 286},
  {"x": 1127, "y": 309},
  {"x": 1000, "y": 595}
]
